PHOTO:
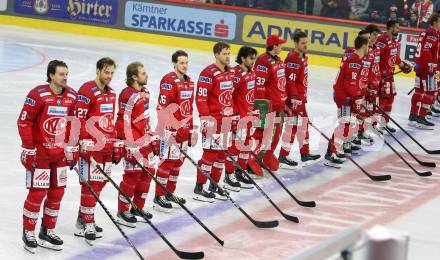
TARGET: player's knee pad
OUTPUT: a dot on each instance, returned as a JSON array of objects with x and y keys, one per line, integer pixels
[
  {"x": 131, "y": 177},
  {"x": 35, "y": 197},
  {"x": 55, "y": 195},
  {"x": 427, "y": 101}
]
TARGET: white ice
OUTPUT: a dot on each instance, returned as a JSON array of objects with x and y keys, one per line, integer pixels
[{"x": 24, "y": 54}]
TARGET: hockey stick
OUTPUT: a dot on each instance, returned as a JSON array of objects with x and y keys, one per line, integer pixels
[
  {"x": 409, "y": 93},
  {"x": 146, "y": 171},
  {"x": 426, "y": 164},
  {"x": 181, "y": 254},
  {"x": 259, "y": 224},
  {"x": 410, "y": 136},
  {"x": 372, "y": 177},
  {"x": 421, "y": 174},
  {"x": 286, "y": 216},
  {"x": 108, "y": 213},
  {"x": 307, "y": 204},
  {"x": 392, "y": 75}
]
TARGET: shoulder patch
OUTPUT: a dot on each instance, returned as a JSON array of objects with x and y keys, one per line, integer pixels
[
  {"x": 205, "y": 79},
  {"x": 83, "y": 99},
  {"x": 354, "y": 65},
  {"x": 293, "y": 65},
  {"x": 166, "y": 86},
  {"x": 236, "y": 79},
  {"x": 433, "y": 38},
  {"x": 262, "y": 68},
  {"x": 380, "y": 45},
  {"x": 30, "y": 102}
]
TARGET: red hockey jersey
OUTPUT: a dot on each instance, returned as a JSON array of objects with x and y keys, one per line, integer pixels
[
  {"x": 347, "y": 85},
  {"x": 427, "y": 51},
  {"x": 214, "y": 92},
  {"x": 42, "y": 123},
  {"x": 99, "y": 106},
  {"x": 180, "y": 92},
  {"x": 389, "y": 54},
  {"x": 270, "y": 80},
  {"x": 244, "y": 88},
  {"x": 297, "y": 76}
]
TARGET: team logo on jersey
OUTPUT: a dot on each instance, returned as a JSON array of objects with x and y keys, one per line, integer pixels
[
  {"x": 280, "y": 73},
  {"x": 205, "y": 79},
  {"x": 166, "y": 86},
  {"x": 106, "y": 108},
  {"x": 392, "y": 61},
  {"x": 251, "y": 84},
  {"x": 236, "y": 79},
  {"x": 186, "y": 94},
  {"x": 55, "y": 125},
  {"x": 30, "y": 102},
  {"x": 57, "y": 111},
  {"x": 354, "y": 66},
  {"x": 261, "y": 68},
  {"x": 282, "y": 84},
  {"x": 250, "y": 97},
  {"x": 292, "y": 65},
  {"x": 185, "y": 108},
  {"x": 106, "y": 122},
  {"x": 393, "y": 51},
  {"x": 59, "y": 102},
  {"x": 83, "y": 99},
  {"x": 225, "y": 98}
]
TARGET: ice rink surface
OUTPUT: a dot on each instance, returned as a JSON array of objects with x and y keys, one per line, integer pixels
[{"x": 345, "y": 197}]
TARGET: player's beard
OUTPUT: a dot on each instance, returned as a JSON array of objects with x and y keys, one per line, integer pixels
[
  {"x": 104, "y": 81},
  {"x": 395, "y": 34},
  {"x": 142, "y": 83}
]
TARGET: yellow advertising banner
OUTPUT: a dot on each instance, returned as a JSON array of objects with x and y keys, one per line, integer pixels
[{"x": 325, "y": 38}]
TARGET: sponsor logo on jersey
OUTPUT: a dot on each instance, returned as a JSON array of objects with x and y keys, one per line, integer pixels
[
  {"x": 106, "y": 108},
  {"x": 57, "y": 111},
  {"x": 225, "y": 98},
  {"x": 354, "y": 66},
  {"x": 83, "y": 99},
  {"x": 106, "y": 122},
  {"x": 30, "y": 101},
  {"x": 225, "y": 85},
  {"x": 166, "y": 86},
  {"x": 433, "y": 38},
  {"x": 251, "y": 84},
  {"x": 250, "y": 97},
  {"x": 380, "y": 44},
  {"x": 55, "y": 125},
  {"x": 393, "y": 51},
  {"x": 205, "y": 79},
  {"x": 94, "y": 89},
  {"x": 41, "y": 90},
  {"x": 261, "y": 68},
  {"x": 377, "y": 59},
  {"x": 293, "y": 65},
  {"x": 126, "y": 107},
  {"x": 367, "y": 64},
  {"x": 186, "y": 94},
  {"x": 185, "y": 108},
  {"x": 280, "y": 73}
]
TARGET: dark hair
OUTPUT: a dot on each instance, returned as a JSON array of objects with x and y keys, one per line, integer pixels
[
  {"x": 371, "y": 28},
  {"x": 105, "y": 62},
  {"x": 177, "y": 54},
  {"x": 269, "y": 48},
  {"x": 52, "y": 68},
  {"x": 298, "y": 36},
  {"x": 245, "y": 52},
  {"x": 132, "y": 70},
  {"x": 218, "y": 47},
  {"x": 359, "y": 42},
  {"x": 391, "y": 23},
  {"x": 434, "y": 18},
  {"x": 362, "y": 32}
]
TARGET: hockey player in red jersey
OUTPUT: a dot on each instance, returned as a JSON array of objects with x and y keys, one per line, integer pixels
[
  {"x": 348, "y": 99},
  {"x": 243, "y": 96},
  {"x": 140, "y": 145},
  {"x": 214, "y": 103},
  {"x": 176, "y": 95},
  {"x": 296, "y": 87},
  {"x": 42, "y": 121},
  {"x": 270, "y": 80},
  {"x": 389, "y": 58},
  {"x": 426, "y": 67},
  {"x": 95, "y": 109}
]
